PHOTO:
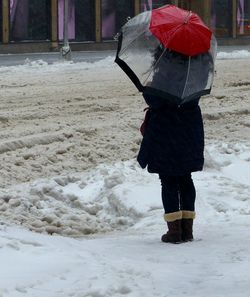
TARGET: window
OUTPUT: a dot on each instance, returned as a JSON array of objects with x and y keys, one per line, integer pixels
[
  {"x": 29, "y": 20},
  {"x": 81, "y": 22},
  {"x": 85, "y": 19},
  {"x": 221, "y": 18},
  {"x": 114, "y": 15},
  {"x": 152, "y": 4},
  {"x": 243, "y": 18}
]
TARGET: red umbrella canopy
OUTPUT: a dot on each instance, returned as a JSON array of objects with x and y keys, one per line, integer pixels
[{"x": 180, "y": 30}]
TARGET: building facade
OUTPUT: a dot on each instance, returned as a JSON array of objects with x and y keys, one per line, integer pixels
[{"x": 34, "y": 25}]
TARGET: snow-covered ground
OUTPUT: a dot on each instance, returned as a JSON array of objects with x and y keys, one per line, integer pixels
[{"x": 79, "y": 218}]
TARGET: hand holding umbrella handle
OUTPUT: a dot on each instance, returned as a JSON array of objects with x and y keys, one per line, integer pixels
[{"x": 145, "y": 121}]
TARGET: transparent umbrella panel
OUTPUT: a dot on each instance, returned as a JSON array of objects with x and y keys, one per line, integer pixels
[
  {"x": 158, "y": 70},
  {"x": 137, "y": 45},
  {"x": 182, "y": 76}
]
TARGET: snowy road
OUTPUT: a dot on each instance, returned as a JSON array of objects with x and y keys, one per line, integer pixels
[{"x": 79, "y": 218}]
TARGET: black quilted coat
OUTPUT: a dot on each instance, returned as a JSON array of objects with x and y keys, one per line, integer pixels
[{"x": 173, "y": 141}]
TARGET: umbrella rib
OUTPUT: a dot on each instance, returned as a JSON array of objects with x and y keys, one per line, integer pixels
[{"x": 124, "y": 49}]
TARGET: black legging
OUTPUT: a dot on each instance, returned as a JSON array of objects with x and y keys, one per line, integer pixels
[{"x": 178, "y": 193}]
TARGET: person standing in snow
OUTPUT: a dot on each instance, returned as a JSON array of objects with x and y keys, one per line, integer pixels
[{"x": 173, "y": 147}]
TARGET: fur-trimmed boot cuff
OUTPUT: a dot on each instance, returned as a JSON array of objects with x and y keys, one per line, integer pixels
[
  {"x": 188, "y": 214},
  {"x": 172, "y": 216}
]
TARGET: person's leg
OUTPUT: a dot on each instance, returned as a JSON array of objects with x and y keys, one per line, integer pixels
[
  {"x": 170, "y": 193},
  {"x": 187, "y": 192},
  {"x": 171, "y": 204},
  {"x": 187, "y": 200}
]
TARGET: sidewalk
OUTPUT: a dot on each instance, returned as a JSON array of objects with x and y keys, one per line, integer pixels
[{"x": 82, "y": 56}]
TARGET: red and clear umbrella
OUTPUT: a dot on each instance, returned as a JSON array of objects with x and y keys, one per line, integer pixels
[
  {"x": 169, "y": 52},
  {"x": 180, "y": 30}
]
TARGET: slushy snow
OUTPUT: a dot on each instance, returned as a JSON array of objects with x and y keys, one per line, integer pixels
[{"x": 96, "y": 233}]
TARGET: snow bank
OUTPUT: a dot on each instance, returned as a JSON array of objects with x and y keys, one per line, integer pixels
[
  {"x": 236, "y": 54},
  {"x": 133, "y": 262},
  {"x": 227, "y": 183},
  {"x": 31, "y": 66},
  {"x": 114, "y": 197},
  {"x": 107, "y": 198}
]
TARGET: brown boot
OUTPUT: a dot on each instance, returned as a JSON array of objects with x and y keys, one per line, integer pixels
[
  {"x": 187, "y": 229},
  {"x": 187, "y": 225},
  {"x": 174, "y": 232}
]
